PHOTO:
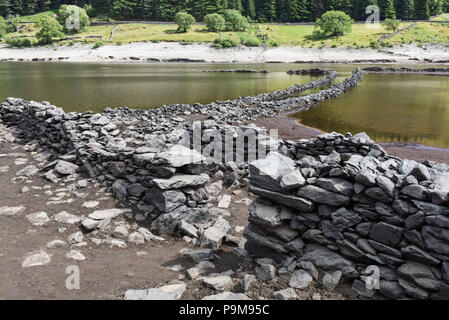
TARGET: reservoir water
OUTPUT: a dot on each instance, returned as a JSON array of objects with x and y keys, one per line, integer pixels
[{"x": 389, "y": 107}]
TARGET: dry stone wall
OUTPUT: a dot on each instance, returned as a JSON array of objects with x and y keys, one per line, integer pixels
[{"x": 343, "y": 204}]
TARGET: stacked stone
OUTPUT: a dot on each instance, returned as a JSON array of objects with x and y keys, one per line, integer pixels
[{"x": 341, "y": 203}]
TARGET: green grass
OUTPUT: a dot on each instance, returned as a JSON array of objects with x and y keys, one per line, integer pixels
[
  {"x": 423, "y": 33},
  {"x": 35, "y": 17},
  {"x": 278, "y": 35}
]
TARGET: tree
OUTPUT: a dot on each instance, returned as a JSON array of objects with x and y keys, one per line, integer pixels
[
  {"x": 90, "y": 10},
  {"x": 391, "y": 25},
  {"x": 214, "y": 22},
  {"x": 435, "y": 7},
  {"x": 5, "y": 8},
  {"x": 235, "y": 21},
  {"x": 270, "y": 10},
  {"x": 49, "y": 29},
  {"x": 334, "y": 23},
  {"x": 251, "y": 9},
  {"x": 122, "y": 9},
  {"x": 184, "y": 21},
  {"x": 387, "y": 10},
  {"x": 2, "y": 27},
  {"x": 405, "y": 9},
  {"x": 73, "y": 18},
  {"x": 422, "y": 10}
]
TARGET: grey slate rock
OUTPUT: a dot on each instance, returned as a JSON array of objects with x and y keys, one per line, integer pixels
[
  {"x": 336, "y": 185},
  {"x": 327, "y": 260},
  {"x": 267, "y": 173},
  {"x": 343, "y": 218},
  {"x": 419, "y": 274},
  {"x": 390, "y": 289},
  {"x": 323, "y": 196},
  {"x": 413, "y": 290},
  {"x": 414, "y": 253},
  {"x": 166, "y": 200},
  {"x": 416, "y": 191},
  {"x": 414, "y": 221},
  {"x": 287, "y": 200},
  {"x": 386, "y": 234}
]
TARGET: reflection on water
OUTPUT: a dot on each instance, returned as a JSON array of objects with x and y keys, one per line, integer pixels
[
  {"x": 412, "y": 108},
  {"x": 81, "y": 87},
  {"x": 390, "y": 108}
]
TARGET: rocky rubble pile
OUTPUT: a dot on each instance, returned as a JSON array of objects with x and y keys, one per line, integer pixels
[{"x": 340, "y": 203}]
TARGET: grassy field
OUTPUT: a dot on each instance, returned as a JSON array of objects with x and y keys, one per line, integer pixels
[
  {"x": 423, "y": 33},
  {"x": 361, "y": 35}
]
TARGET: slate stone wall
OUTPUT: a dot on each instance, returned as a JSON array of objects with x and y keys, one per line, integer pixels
[{"x": 342, "y": 203}]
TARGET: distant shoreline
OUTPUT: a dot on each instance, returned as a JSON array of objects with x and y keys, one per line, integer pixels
[{"x": 148, "y": 52}]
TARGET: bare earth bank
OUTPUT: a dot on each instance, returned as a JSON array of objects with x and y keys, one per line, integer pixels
[{"x": 404, "y": 54}]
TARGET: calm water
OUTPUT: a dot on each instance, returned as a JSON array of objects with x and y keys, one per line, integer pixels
[
  {"x": 390, "y": 108},
  {"x": 412, "y": 108},
  {"x": 81, "y": 87}
]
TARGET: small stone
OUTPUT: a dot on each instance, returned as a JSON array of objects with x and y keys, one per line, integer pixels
[
  {"x": 168, "y": 292},
  {"x": 56, "y": 244},
  {"x": 218, "y": 282},
  {"x": 108, "y": 214},
  {"x": 247, "y": 280},
  {"x": 11, "y": 211},
  {"x": 90, "y": 204},
  {"x": 90, "y": 224},
  {"x": 197, "y": 255},
  {"x": 75, "y": 255},
  {"x": 266, "y": 272},
  {"x": 300, "y": 279},
  {"x": 76, "y": 237},
  {"x": 36, "y": 258},
  {"x": 28, "y": 171},
  {"x": 120, "y": 232},
  {"x": 286, "y": 294},
  {"x": 224, "y": 202},
  {"x": 332, "y": 280},
  {"x": 136, "y": 238},
  {"x": 65, "y": 168},
  {"x": 65, "y": 217},
  {"x": 227, "y": 296},
  {"x": 38, "y": 219}
]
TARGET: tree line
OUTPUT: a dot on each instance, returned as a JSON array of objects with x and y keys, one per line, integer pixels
[{"x": 254, "y": 10}]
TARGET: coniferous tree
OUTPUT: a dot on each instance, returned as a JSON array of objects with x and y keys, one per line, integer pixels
[
  {"x": 251, "y": 9},
  {"x": 422, "y": 9},
  {"x": 5, "y": 8},
  {"x": 405, "y": 9},
  {"x": 387, "y": 10},
  {"x": 435, "y": 7},
  {"x": 270, "y": 10}
]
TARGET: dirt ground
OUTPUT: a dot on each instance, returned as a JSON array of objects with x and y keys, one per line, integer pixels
[{"x": 108, "y": 271}]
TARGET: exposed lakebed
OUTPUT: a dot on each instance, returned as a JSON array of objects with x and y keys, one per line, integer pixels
[{"x": 389, "y": 107}]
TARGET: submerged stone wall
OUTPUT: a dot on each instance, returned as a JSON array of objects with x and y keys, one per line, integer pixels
[{"x": 343, "y": 204}]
